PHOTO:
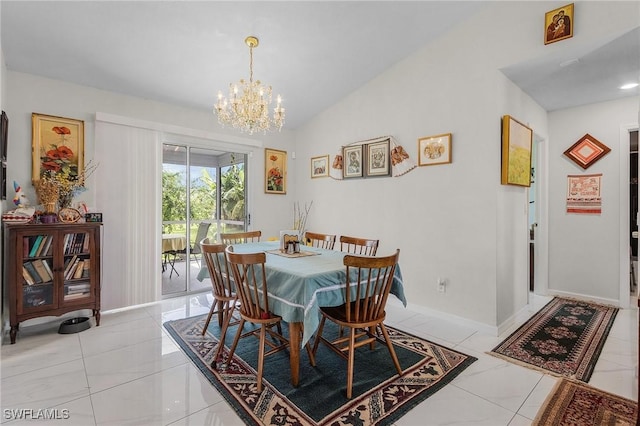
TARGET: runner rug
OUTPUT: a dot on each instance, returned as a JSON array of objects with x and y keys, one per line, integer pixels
[
  {"x": 573, "y": 403},
  {"x": 380, "y": 396},
  {"x": 564, "y": 338}
]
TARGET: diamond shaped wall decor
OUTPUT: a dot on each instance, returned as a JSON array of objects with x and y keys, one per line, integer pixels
[{"x": 587, "y": 151}]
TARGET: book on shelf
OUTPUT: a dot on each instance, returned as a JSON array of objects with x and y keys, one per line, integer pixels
[
  {"x": 27, "y": 277},
  {"x": 85, "y": 243},
  {"x": 42, "y": 271},
  {"x": 69, "y": 264},
  {"x": 86, "y": 268},
  {"x": 78, "y": 271},
  {"x": 25, "y": 246},
  {"x": 78, "y": 288},
  {"x": 36, "y": 244},
  {"x": 46, "y": 247},
  {"x": 75, "y": 296},
  {"x": 42, "y": 245},
  {"x": 47, "y": 267},
  {"x": 32, "y": 271}
]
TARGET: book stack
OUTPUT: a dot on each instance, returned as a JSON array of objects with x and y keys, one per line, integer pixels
[
  {"x": 38, "y": 245},
  {"x": 77, "y": 291},
  {"x": 37, "y": 272},
  {"x": 76, "y": 243}
]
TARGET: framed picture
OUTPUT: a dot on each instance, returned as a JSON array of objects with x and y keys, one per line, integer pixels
[
  {"x": 352, "y": 156},
  {"x": 378, "y": 155},
  {"x": 587, "y": 151},
  {"x": 275, "y": 171},
  {"x": 57, "y": 145},
  {"x": 320, "y": 166},
  {"x": 558, "y": 24},
  {"x": 516, "y": 152},
  {"x": 434, "y": 150}
]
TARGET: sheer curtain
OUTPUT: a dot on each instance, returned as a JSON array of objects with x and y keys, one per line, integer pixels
[{"x": 128, "y": 191}]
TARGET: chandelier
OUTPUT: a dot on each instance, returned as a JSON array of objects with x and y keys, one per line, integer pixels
[{"x": 248, "y": 106}]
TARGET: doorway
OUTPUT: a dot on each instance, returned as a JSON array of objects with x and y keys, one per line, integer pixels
[
  {"x": 211, "y": 186},
  {"x": 633, "y": 211}
]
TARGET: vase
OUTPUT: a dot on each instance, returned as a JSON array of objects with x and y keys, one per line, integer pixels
[{"x": 50, "y": 207}]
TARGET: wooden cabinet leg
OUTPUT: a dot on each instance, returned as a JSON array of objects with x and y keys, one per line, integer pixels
[
  {"x": 96, "y": 314},
  {"x": 13, "y": 333}
]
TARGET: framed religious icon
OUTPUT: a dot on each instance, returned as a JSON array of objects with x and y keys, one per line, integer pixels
[
  {"x": 434, "y": 150},
  {"x": 587, "y": 151},
  {"x": 320, "y": 166},
  {"x": 378, "y": 163},
  {"x": 57, "y": 146},
  {"x": 558, "y": 24},
  {"x": 275, "y": 171},
  {"x": 352, "y": 156},
  {"x": 516, "y": 152}
]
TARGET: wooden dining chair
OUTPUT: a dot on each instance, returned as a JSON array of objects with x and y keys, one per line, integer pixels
[
  {"x": 241, "y": 237},
  {"x": 250, "y": 278},
  {"x": 369, "y": 281},
  {"x": 225, "y": 298},
  {"x": 359, "y": 246},
  {"x": 325, "y": 241}
]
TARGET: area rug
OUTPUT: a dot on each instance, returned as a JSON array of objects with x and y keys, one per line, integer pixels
[
  {"x": 380, "y": 396},
  {"x": 574, "y": 403},
  {"x": 564, "y": 338}
]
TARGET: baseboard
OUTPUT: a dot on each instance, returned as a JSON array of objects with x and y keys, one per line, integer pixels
[
  {"x": 584, "y": 297},
  {"x": 486, "y": 328}
]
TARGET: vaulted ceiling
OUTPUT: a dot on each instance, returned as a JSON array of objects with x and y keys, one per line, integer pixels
[{"x": 312, "y": 52}]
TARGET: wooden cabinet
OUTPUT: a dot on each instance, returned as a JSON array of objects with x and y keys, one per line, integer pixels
[{"x": 51, "y": 269}]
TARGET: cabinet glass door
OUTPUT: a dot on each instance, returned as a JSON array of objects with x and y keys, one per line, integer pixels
[
  {"x": 36, "y": 257},
  {"x": 77, "y": 266}
]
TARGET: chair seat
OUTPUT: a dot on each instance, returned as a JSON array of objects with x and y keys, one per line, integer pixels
[{"x": 338, "y": 314}]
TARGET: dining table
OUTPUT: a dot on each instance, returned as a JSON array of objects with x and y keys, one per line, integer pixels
[
  {"x": 171, "y": 244},
  {"x": 299, "y": 284}
]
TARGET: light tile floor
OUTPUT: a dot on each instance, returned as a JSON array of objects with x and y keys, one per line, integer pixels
[{"x": 129, "y": 371}]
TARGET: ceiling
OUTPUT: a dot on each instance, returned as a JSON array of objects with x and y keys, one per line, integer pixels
[{"x": 313, "y": 53}]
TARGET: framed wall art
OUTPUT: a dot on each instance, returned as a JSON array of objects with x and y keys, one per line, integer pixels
[
  {"x": 587, "y": 151},
  {"x": 352, "y": 156},
  {"x": 320, "y": 166},
  {"x": 275, "y": 171},
  {"x": 558, "y": 24},
  {"x": 57, "y": 145},
  {"x": 434, "y": 150},
  {"x": 378, "y": 163},
  {"x": 516, "y": 152}
]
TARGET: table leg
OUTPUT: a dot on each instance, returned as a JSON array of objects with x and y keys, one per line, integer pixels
[{"x": 295, "y": 329}]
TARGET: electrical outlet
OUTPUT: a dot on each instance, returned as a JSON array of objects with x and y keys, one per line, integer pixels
[{"x": 441, "y": 285}]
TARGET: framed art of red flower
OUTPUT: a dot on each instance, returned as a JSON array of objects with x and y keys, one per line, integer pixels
[
  {"x": 587, "y": 151},
  {"x": 57, "y": 146},
  {"x": 275, "y": 171}
]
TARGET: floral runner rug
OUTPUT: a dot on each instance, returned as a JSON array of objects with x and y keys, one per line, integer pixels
[
  {"x": 380, "y": 396},
  {"x": 564, "y": 338},
  {"x": 575, "y": 403}
]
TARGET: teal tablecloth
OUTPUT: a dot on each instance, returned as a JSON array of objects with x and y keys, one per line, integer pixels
[{"x": 298, "y": 287}]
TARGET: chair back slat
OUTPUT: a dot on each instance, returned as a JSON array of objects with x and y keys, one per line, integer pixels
[
  {"x": 325, "y": 241},
  {"x": 359, "y": 246},
  {"x": 219, "y": 272},
  {"x": 369, "y": 281},
  {"x": 250, "y": 277},
  {"x": 241, "y": 237}
]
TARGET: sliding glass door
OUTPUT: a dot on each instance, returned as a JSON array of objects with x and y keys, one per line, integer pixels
[{"x": 210, "y": 185}]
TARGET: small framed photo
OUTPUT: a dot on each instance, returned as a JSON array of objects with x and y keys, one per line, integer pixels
[
  {"x": 93, "y": 217},
  {"x": 352, "y": 156},
  {"x": 378, "y": 163},
  {"x": 57, "y": 145},
  {"x": 434, "y": 150},
  {"x": 516, "y": 152},
  {"x": 558, "y": 24},
  {"x": 587, "y": 151},
  {"x": 275, "y": 171},
  {"x": 320, "y": 166}
]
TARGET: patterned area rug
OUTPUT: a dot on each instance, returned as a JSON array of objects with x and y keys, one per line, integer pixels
[
  {"x": 574, "y": 403},
  {"x": 380, "y": 396},
  {"x": 564, "y": 338}
]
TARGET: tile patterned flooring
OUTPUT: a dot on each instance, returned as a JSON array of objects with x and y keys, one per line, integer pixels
[{"x": 129, "y": 371}]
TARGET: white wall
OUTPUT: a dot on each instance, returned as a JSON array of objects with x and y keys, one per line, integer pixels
[
  {"x": 453, "y": 221},
  {"x": 584, "y": 249}
]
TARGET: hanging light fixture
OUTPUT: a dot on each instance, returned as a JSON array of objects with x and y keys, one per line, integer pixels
[{"x": 248, "y": 106}]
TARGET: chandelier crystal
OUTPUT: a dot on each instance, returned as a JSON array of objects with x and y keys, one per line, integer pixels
[{"x": 248, "y": 105}]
